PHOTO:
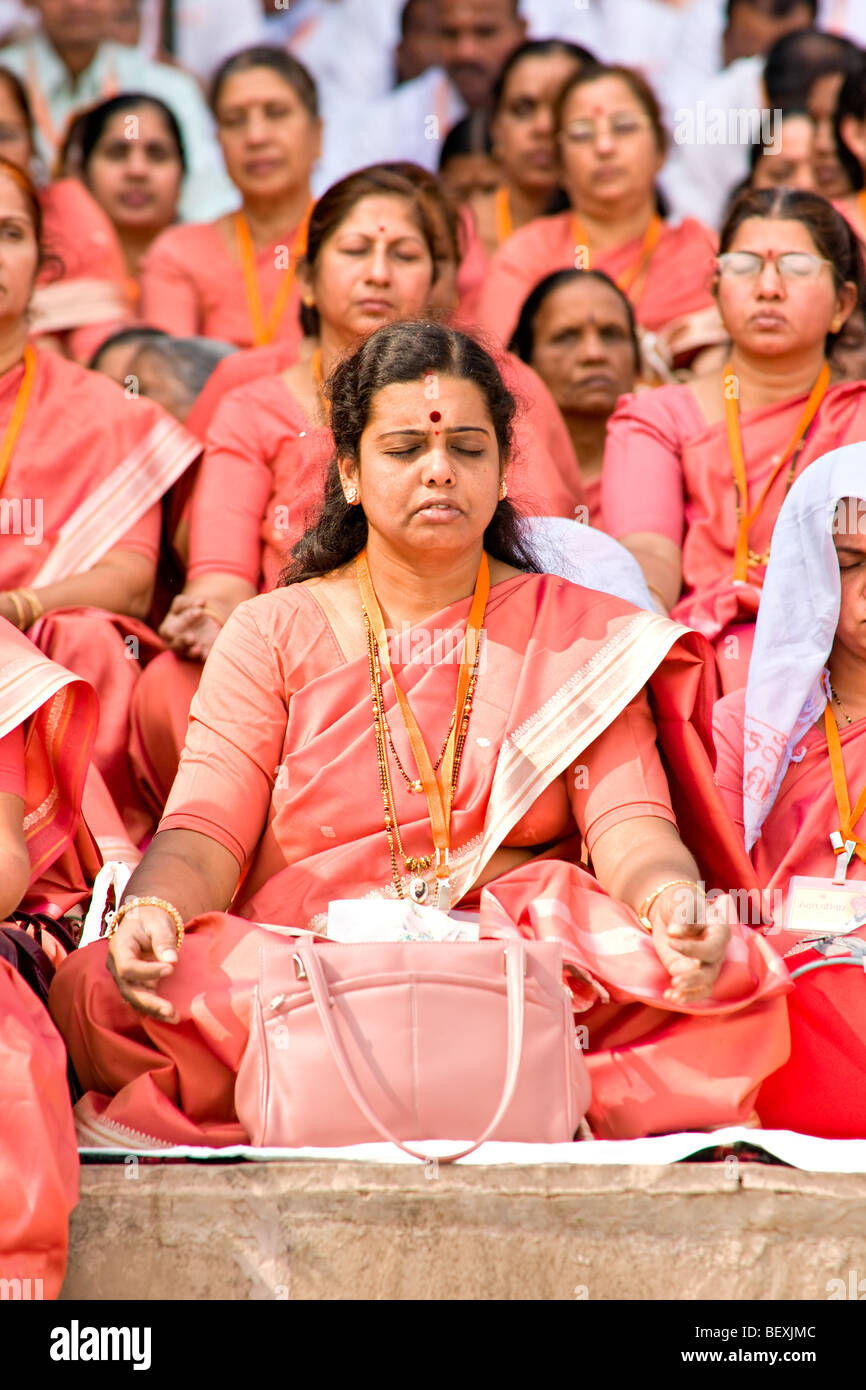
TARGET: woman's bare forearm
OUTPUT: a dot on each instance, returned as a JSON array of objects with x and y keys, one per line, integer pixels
[
  {"x": 191, "y": 871},
  {"x": 634, "y": 858}
]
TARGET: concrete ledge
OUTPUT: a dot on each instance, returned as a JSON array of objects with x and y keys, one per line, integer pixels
[{"x": 358, "y": 1230}]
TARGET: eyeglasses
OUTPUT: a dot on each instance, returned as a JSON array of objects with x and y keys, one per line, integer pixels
[
  {"x": 791, "y": 265},
  {"x": 620, "y": 126}
]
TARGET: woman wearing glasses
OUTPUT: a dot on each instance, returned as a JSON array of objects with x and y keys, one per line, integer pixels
[
  {"x": 695, "y": 475},
  {"x": 611, "y": 148}
]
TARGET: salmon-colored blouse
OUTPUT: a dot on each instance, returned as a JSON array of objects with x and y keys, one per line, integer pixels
[{"x": 191, "y": 284}]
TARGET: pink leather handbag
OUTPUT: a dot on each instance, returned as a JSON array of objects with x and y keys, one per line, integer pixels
[{"x": 351, "y": 1044}]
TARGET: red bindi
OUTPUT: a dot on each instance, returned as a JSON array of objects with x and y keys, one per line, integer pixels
[{"x": 435, "y": 416}]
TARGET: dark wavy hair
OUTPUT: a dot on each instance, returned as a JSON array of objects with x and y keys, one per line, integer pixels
[
  {"x": 402, "y": 352},
  {"x": 833, "y": 237}
]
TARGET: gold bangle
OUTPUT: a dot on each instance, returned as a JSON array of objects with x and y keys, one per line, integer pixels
[
  {"x": 37, "y": 608},
  {"x": 649, "y": 900},
  {"x": 115, "y": 918},
  {"x": 213, "y": 614},
  {"x": 21, "y": 624}
]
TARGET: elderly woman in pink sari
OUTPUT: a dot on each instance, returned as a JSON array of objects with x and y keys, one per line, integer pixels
[
  {"x": 48, "y": 860},
  {"x": 292, "y": 793}
]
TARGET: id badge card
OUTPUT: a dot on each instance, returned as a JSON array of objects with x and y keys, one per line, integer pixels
[
  {"x": 820, "y": 907},
  {"x": 383, "y": 919}
]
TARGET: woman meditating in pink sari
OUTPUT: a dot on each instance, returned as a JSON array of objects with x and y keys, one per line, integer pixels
[
  {"x": 791, "y": 768},
  {"x": 291, "y": 792},
  {"x": 695, "y": 475},
  {"x": 47, "y": 863},
  {"x": 234, "y": 278},
  {"x": 612, "y": 146},
  {"x": 82, "y": 470},
  {"x": 383, "y": 246}
]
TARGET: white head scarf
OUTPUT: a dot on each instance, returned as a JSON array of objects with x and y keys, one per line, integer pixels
[{"x": 796, "y": 626}]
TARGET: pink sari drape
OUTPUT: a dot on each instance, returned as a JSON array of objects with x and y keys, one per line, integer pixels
[
  {"x": 562, "y": 663},
  {"x": 89, "y": 469},
  {"x": 191, "y": 283},
  {"x": 83, "y": 293},
  {"x": 676, "y": 287},
  {"x": 819, "y": 1090},
  {"x": 667, "y": 471},
  {"x": 38, "y": 1158}
]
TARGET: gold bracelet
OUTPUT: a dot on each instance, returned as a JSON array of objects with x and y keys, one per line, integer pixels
[
  {"x": 15, "y": 597},
  {"x": 212, "y": 614},
  {"x": 37, "y": 608},
  {"x": 646, "y": 905},
  {"x": 115, "y": 918}
]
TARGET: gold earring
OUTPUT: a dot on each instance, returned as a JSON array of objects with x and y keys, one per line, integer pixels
[
  {"x": 503, "y": 490},
  {"x": 351, "y": 496}
]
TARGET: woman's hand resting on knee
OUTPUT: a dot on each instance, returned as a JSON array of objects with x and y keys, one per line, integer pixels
[
  {"x": 691, "y": 934},
  {"x": 142, "y": 953}
]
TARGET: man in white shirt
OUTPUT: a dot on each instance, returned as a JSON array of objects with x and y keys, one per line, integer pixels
[
  {"x": 702, "y": 169},
  {"x": 475, "y": 38},
  {"x": 68, "y": 64}
]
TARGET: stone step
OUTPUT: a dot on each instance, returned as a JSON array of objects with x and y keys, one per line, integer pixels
[{"x": 346, "y": 1230}]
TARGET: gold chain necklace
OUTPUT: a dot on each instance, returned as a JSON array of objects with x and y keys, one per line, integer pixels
[
  {"x": 414, "y": 864},
  {"x": 839, "y": 702}
]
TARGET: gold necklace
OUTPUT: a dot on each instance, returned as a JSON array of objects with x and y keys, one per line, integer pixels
[
  {"x": 414, "y": 784},
  {"x": 414, "y": 864},
  {"x": 839, "y": 702}
]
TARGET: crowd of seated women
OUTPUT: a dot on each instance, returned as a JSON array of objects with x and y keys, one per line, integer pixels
[{"x": 516, "y": 393}]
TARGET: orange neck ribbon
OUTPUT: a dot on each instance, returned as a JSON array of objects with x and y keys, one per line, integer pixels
[
  {"x": 264, "y": 329},
  {"x": 437, "y": 786},
  {"x": 738, "y": 462},
  {"x": 22, "y": 400}
]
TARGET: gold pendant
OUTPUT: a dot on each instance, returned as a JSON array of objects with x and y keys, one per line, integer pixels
[
  {"x": 418, "y": 890},
  {"x": 416, "y": 786}
]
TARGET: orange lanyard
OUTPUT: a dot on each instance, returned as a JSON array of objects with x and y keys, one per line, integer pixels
[
  {"x": 504, "y": 224},
  {"x": 437, "y": 786},
  {"x": 626, "y": 280},
  {"x": 263, "y": 331},
  {"x": 738, "y": 463},
  {"x": 22, "y": 400},
  {"x": 847, "y": 818}
]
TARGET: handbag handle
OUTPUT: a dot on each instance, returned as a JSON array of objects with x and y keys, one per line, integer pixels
[{"x": 515, "y": 959}]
